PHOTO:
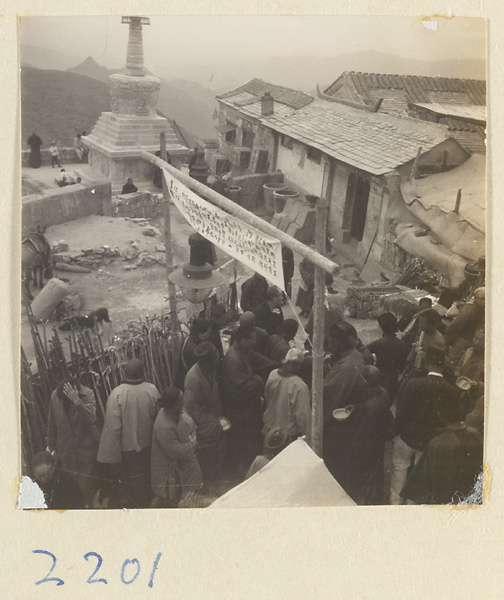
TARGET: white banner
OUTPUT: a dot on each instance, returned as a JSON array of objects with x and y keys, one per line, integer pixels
[{"x": 257, "y": 250}]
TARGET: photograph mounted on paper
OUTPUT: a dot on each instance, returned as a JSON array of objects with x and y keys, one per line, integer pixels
[{"x": 253, "y": 275}]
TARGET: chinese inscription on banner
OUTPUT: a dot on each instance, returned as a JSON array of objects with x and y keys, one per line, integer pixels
[{"x": 255, "y": 249}]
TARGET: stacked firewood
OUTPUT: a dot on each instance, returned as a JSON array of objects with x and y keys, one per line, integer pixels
[
  {"x": 363, "y": 302},
  {"x": 418, "y": 275}
]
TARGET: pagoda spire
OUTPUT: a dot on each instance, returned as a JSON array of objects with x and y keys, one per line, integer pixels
[{"x": 134, "y": 56}]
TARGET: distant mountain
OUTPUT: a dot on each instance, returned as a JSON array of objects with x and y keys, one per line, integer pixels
[
  {"x": 43, "y": 58},
  {"x": 190, "y": 104},
  {"x": 303, "y": 73},
  {"x": 59, "y": 104},
  {"x": 90, "y": 68}
]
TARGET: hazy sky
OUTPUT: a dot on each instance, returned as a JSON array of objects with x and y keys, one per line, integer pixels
[{"x": 221, "y": 40}]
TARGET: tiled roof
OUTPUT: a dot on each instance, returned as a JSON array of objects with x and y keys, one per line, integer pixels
[
  {"x": 363, "y": 87},
  {"x": 254, "y": 89},
  {"x": 241, "y": 102},
  {"x": 473, "y": 112},
  {"x": 374, "y": 142},
  {"x": 472, "y": 141}
]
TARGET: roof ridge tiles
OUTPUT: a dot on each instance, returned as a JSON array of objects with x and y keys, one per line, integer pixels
[{"x": 375, "y": 73}]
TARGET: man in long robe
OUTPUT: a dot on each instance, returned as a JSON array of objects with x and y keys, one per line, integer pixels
[
  {"x": 390, "y": 354},
  {"x": 35, "y": 158},
  {"x": 175, "y": 472},
  {"x": 243, "y": 374},
  {"x": 127, "y": 435},
  {"x": 268, "y": 313},
  {"x": 460, "y": 333},
  {"x": 202, "y": 402},
  {"x": 373, "y": 427},
  {"x": 73, "y": 435},
  {"x": 448, "y": 468},
  {"x": 288, "y": 400},
  {"x": 417, "y": 418},
  {"x": 428, "y": 337},
  {"x": 253, "y": 292},
  {"x": 344, "y": 385}
]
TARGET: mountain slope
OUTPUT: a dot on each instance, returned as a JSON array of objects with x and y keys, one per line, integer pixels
[
  {"x": 58, "y": 104},
  {"x": 190, "y": 104}
]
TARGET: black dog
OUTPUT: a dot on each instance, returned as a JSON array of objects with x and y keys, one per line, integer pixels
[{"x": 94, "y": 318}]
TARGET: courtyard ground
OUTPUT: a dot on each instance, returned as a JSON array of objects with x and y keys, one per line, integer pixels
[{"x": 129, "y": 294}]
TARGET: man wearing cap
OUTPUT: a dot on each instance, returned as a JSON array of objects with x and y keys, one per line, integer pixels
[
  {"x": 202, "y": 402},
  {"x": 287, "y": 399},
  {"x": 127, "y": 435},
  {"x": 268, "y": 314},
  {"x": 417, "y": 417},
  {"x": 460, "y": 332},
  {"x": 248, "y": 319},
  {"x": 274, "y": 442},
  {"x": 344, "y": 385},
  {"x": 390, "y": 354},
  {"x": 243, "y": 375},
  {"x": 447, "y": 470},
  {"x": 428, "y": 337},
  {"x": 280, "y": 343}
]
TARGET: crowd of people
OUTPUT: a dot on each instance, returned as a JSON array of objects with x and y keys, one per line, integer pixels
[{"x": 402, "y": 416}]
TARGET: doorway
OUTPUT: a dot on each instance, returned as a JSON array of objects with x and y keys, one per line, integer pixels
[{"x": 356, "y": 203}]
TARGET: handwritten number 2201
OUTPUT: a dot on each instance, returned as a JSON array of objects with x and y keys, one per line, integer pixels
[{"x": 91, "y": 578}]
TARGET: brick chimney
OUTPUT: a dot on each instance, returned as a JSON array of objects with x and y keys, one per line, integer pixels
[{"x": 267, "y": 105}]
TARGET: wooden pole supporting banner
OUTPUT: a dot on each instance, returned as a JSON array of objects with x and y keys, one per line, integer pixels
[
  {"x": 172, "y": 292},
  {"x": 318, "y": 332},
  {"x": 242, "y": 213}
]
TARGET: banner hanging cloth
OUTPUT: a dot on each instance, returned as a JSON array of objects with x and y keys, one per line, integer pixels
[{"x": 259, "y": 251}]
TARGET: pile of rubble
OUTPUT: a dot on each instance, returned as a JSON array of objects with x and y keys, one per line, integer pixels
[{"x": 88, "y": 259}]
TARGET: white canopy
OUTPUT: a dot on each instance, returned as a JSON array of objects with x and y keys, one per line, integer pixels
[{"x": 296, "y": 477}]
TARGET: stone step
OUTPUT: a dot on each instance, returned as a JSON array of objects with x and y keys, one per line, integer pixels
[
  {"x": 131, "y": 135},
  {"x": 132, "y": 118},
  {"x": 132, "y": 131},
  {"x": 134, "y": 126}
]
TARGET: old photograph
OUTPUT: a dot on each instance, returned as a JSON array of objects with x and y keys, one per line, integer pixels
[{"x": 253, "y": 261}]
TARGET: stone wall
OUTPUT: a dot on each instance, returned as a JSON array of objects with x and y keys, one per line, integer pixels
[
  {"x": 252, "y": 188},
  {"x": 137, "y": 205},
  {"x": 66, "y": 156},
  {"x": 65, "y": 204}
]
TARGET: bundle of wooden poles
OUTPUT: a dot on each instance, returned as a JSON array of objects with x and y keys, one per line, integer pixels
[{"x": 82, "y": 354}]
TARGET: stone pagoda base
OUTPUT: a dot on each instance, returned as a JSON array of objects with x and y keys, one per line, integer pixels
[{"x": 116, "y": 143}]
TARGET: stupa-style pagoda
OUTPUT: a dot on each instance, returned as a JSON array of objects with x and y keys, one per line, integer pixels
[{"x": 133, "y": 126}]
